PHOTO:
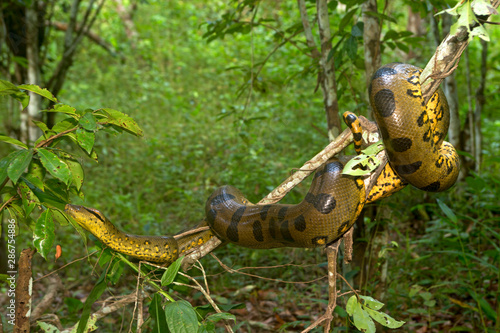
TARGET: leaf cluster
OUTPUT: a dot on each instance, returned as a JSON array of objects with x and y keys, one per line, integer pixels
[{"x": 38, "y": 179}]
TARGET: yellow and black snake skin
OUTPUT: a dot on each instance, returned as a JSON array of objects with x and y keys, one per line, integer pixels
[{"x": 413, "y": 134}]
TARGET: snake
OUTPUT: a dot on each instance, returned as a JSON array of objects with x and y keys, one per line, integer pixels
[{"x": 413, "y": 134}]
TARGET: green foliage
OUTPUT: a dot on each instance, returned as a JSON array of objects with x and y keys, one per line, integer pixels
[
  {"x": 28, "y": 169},
  {"x": 206, "y": 124},
  {"x": 365, "y": 162},
  {"x": 467, "y": 18},
  {"x": 364, "y": 309}
]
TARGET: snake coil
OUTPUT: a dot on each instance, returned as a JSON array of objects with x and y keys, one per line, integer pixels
[{"x": 413, "y": 134}]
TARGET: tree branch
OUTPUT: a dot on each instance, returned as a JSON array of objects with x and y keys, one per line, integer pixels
[
  {"x": 307, "y": 30},
  {"x": 61, "y": 26},
  {"x": 445, "y": 59}
]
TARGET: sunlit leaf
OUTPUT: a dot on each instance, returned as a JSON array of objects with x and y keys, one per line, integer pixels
[
  {"x": 88, "y": 122},
  {"x": 371, "y": 302},
  {"x": 362, "y": 320},
  {"x": 76, "y": 169},
  {"x": 29, "y": 199},
  {"x": 121, "y": 120},
  {"x": 19, "y": 163},
  {"x": 7, "y": 88},
  {"x": 85, "y": 139},
  {"x": 384, "y": 319},
  {"x": 62, "y": 108},
  {"x": 40, "y": 91},
  {"x": 43, "y": 236},
  {"x": 54, "y": 165},
  {"x": 13, "y": 141}
]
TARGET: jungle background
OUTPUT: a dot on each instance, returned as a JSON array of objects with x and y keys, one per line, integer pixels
[{"x": 227, "y": 92}]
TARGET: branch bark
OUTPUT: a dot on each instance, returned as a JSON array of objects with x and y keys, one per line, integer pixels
[
  {"x": 61, "y": 26},
  {"x": 371, "y": 40},
  {"x": 23, "y": 292},
  {"x": 445, "y": 59}
]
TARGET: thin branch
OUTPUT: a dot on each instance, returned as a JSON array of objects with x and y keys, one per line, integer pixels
[
  {"x": 61, "y": 26},
  {"x": 64, "y": 266},
  {"x": 307, "y": 29},
  {"x": 239, "y": 271}
]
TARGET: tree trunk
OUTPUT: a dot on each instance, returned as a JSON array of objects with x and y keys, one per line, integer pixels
[
  {"x": 30, "y": 132},
  {"x": 371, "y": 40},
  {"x": 480, "y": 101},
  {"x": 451, "y": 92},
  {"x": 327, "y": 77}
]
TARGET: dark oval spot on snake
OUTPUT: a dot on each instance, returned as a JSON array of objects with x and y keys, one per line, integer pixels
[
  {"x": 285, "y": 232},
  {"x": 401, "y": 144},
  {"x": 272, "y": 227},
  {"x": 325, "y": 203},
  {"x": 407, "y": 169},
  {"x": 384, "y": 101},
  {"x": 232, "y": 229},
  {"x": 263, "y": 212},
  {"x": 257, "y": 231},
  {"x": 300, "y": 223},
  {"x": 211, "y": 214},
  {"x": 282, "y": 213},
  {"x": 434, "y": 187}
]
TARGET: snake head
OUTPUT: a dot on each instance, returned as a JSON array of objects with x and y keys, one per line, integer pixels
[{"x": 84, "y": 216}]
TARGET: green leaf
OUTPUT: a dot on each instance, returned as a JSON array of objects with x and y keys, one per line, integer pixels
[
  {"x": 47, "y": 328},
  {"x": 76, "y": 169},
  {"x": 85, "y": 139},
  {"x": 351, "y": 47},
  {"x": 58, "y": 217},
  {"x": 7, "y": 88},
  {"x": 351, "y": 304},
  {"x": 374, "y": 149},
  {"x": 346, "y": 18},
  {"x": 45, "y": 197},
  {"x": 4, "y": 164},
  {"x": 116, "y": 271},
  {"x": 43, "y": 236},
  {"x": 54, "y": 165},
  {"x": 181, "y": 317},
  {"x": 362, "y": 320},
  {"x": 94, "y": 295},
  {"x": 62, "y": 108},
  {"x": 169, "y": 275},
  {"x": 65, "y": 125},
  {"x": 121, "y": 120},
  {"x": 158, "y": 315},
  {"x": 37, "y": 90},
  {"x": 371, "y": 302},
  {"x": 447, "y": 211},
  {"x": 19, "y": 164},
  {"x": 384, "y": 319},
  {"x": 36, "y": 173},
  {"x": 88, "y": 122},
  {"x": 357, "y": 29},
  {"x": 29, "y": 199},
  {"x": 361, "y": 165},
  {"x": 13, "y": 141},
  {"x": 221, "y": 316},
  {"x": 41, "y": 125}
]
